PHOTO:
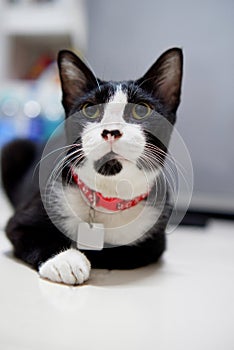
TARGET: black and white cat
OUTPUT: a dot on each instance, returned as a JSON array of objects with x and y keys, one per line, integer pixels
[{"x": 117, "y": 139}]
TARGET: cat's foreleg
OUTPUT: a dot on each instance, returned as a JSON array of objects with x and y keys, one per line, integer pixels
[
  {"x": 49, "y": 253},
  {"x": 40, "y": 244}
]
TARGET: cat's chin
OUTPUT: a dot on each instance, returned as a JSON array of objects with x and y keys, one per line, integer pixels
[
  {"x": 108, "y": 165},
  {"x": 110, "y": 168}
]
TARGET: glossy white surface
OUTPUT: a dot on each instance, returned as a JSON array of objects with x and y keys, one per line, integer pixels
[{"x": 186, "y": 302}]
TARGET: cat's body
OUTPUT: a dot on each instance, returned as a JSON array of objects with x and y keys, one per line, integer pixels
[{"x": 117, "y": 153}]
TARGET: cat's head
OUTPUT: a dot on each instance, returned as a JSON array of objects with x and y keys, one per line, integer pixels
[{"x": 121, "y": 129}]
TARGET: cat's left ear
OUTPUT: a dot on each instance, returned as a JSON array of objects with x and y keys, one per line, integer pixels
[
  {"x": 164, "y": 78},
  {"x": 76, "y": 78}
]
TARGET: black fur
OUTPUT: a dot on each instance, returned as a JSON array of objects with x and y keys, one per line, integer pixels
[
  {"x": 108, "y": 165},
  {"x": 17, "y": 160},
  {"x": 34, "y": 237}
]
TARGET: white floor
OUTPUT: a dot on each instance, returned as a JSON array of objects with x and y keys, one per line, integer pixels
[{"x": 186, "y": 302}]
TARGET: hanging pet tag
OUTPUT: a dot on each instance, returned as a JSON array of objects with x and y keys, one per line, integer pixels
[{"x": 90, "y": 236}]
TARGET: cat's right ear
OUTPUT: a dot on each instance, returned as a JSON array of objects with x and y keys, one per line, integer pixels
[{"x": 76, "y": 78}]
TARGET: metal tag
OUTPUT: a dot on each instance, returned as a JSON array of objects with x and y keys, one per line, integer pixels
[{"x": 90, "y": 236}]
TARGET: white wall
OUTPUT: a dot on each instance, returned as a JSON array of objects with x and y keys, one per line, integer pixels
[{"x": 126, "y": 36}]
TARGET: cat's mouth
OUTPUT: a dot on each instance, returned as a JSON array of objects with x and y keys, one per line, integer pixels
[{"x": 108, "y": 165}]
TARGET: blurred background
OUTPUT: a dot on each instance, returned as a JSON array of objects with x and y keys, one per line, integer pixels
[{"x": 120, "y": 40}]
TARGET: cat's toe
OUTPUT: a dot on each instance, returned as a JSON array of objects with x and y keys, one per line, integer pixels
[{"x": 68, "y": 267}]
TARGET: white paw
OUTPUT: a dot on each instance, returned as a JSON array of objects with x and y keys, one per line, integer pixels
[{"x": 69, "y": 267}]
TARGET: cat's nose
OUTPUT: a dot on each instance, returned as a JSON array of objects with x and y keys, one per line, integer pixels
[{"x": 111, "y": 135}]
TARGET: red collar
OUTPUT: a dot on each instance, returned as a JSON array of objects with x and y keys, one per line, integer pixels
[{"x": 96, "y": 199}]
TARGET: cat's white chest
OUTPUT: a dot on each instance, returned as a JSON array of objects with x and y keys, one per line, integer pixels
[{"x": 122, "y": 227}]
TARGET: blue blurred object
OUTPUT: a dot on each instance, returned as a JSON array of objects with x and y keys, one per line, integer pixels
[{"x": 31, "y": 109}]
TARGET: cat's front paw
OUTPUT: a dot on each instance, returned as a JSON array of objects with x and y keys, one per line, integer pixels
[{"x": 68, "y": 267}]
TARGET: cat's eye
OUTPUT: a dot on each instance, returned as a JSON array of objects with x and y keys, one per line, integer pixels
[
  {"x": 91, "y": 111},
  {"x": 141, "y": 110}
]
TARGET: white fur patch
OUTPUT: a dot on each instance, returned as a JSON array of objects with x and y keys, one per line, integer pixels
[
  {"x": 68, "y": 267},
  {"x": 123, "y": 227},
  {"x": 115, "y": 108}
]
